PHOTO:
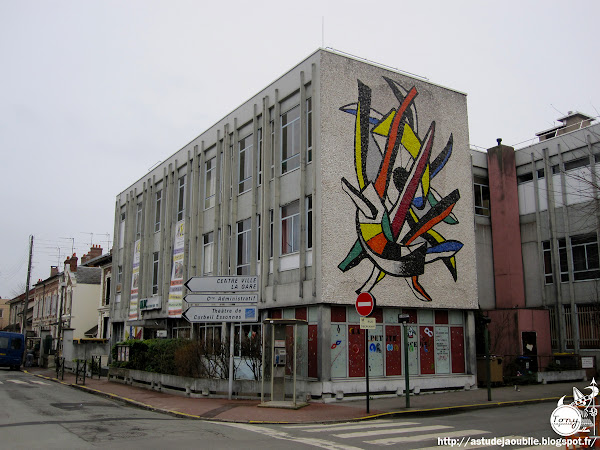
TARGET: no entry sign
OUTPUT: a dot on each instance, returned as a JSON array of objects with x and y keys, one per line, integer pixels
[{"x": 365, "y": 303}]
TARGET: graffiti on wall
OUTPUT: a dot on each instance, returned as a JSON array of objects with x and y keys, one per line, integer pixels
[{"x": 397, "y": 207}]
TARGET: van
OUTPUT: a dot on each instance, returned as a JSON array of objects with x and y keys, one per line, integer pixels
[{"x": 12, "y": 346}]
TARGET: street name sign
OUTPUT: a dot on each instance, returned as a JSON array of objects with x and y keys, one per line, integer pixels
[
  {"x": 221, "y": 298},
  {"x": 225, "y": 283},
  {"x": 367, "y": 323},
  {"x": 365, "y": 302},
  {"x": 220, "y": 314}
]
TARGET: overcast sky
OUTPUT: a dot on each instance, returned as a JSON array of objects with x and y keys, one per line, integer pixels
[{"x": 94, "y": 93}]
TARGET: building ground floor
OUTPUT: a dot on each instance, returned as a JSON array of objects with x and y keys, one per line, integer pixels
[{"x": 332, "y": 349}]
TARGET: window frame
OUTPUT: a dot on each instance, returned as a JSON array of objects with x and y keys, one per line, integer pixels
[
  {"x": 157, "y": 210},
  {"x": 243, "y": 246},
  {"x": 181, "y": 198},
  {"x": 155, "y": 272},
  {"x": 291, "y": 162},
  {"x": 245, "y": 170},
  {"x": 208, "y": 242},
  {"x": 290, "y": 228}
]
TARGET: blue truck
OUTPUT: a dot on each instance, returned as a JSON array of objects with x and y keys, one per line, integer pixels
[{"x": 12, "y": 346}]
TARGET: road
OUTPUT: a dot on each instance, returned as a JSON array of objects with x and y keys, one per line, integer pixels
[{"x": 37, "y": 413}]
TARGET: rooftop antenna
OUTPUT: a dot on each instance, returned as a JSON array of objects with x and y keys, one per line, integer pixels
[{"x": 72, "y": 243}]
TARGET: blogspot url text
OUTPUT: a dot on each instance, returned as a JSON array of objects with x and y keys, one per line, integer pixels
[{"x": 466, "y": 441}]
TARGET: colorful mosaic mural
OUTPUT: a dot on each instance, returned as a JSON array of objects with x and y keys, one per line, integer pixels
[{"x": 398, "y": 210}]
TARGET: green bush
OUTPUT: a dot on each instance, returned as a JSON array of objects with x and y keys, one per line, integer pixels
[{"x": 152, "y": 355}]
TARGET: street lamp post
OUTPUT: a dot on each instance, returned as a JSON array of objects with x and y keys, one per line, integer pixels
[
  {"x": 486, "y": 334},
  {"x": 403, "y": 319}
]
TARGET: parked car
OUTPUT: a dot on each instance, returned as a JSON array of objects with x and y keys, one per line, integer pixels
[{"x": 12, "y": 346}]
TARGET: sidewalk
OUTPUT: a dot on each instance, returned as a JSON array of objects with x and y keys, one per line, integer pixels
[{"x": 247, "y": 411}]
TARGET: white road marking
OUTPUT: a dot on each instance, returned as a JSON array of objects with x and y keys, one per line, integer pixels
[
  {"x": 422, "y": 437},
  {"x": 363, "y": 426},
  {"x": 287, "y": 437},
  {"x": 39, "y": 382},
  {"x": 392, "y": 431},
  {"x": 330, "y": 425},
  {"x": 18, "y": 381}
]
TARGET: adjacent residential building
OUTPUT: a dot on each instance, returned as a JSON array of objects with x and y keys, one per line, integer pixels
[
  {"x": 15, "y": 313},
  {"x": 95, "y": 258},
  {"x": 340, "y": 177},
  {"x": 75, "y": 292},
  {"x": 4, "y": 313},
  {"x": 537, "y": 214}
]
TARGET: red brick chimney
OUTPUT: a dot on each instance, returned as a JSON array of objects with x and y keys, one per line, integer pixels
[
  {"x": 72, "y": 261},
  {"x": 95, "y": 251},
  {"x": 53, "y": 270}
]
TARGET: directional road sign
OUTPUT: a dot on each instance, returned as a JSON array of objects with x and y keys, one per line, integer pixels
[
  {"x": 221, "y": 298},
  {"x": 221, "y": 314},
  {"x": 231, "y": 283},
  {"x": 365, "y": 302}
]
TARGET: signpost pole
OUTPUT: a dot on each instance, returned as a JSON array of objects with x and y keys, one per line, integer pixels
[
  {"x": 231, "y": 347},
  {"x": 367, "y": 365},
  {"x": 406, "y": 371}
]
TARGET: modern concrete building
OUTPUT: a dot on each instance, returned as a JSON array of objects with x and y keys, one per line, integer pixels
[
  {"x": 537, "y": 221},
  {"x": 340, "y": 177}
]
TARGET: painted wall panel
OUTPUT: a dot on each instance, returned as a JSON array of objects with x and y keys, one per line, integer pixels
[
  {"x": 427, "y": 349},
  {"x": 393, "y": 350},
  {"x": 356, "y": 351},
  {"x": 457, "y": 349},
  {"x": 397, "y": 202}
]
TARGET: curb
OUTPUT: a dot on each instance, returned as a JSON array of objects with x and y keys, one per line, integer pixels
[{"x": 392, "y": 414}]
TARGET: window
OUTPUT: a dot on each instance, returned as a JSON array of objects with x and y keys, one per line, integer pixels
[
  {"x": 119, "y": 274},
  {"x": 107, "y": 291},
  {"x": 138, "y": 222},
  {"x": 155, "y": 266},
  {"x": 259, "y": 157},
  {"x": 245, "y": 164},
  {"x": 1, "y": 313},
  {"x": 207, "y": 253},
  {"x": 547, "y": 262},
  {"x": 309, "y": 222},
  {"x": 309, "y": 143},
  {"x": 122, "y": 229},
  {"x": 243, "y": 247},
  {"x": 290, "y": 228},
  {"x": 157, "y": 204},
  {"x": 210, "y": 183},
  {"x": 577, "y": 163},
  {"x": 290, "y": 140},
  {"x": 524, "y": 178},
  {"x": 585, "y": 257},
  {"x": 482, "y": 196},
  {"x": 181, "y": 198}
]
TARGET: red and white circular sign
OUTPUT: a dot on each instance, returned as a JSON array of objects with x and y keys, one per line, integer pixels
[{"x": 365, "y": 303}]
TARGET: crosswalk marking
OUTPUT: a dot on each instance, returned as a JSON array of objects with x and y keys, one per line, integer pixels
[
  {"x": 287, "y": 437},
  {"x": 39, "y": 382},
  {"x": 392, "y": 431},
  {"x": 362, "y": 426},
  {"x": 18, "y": 381},
  {"x": 422, "y": 437}
]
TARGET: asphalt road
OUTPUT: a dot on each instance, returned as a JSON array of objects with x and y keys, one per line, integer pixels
[{"x": 37, "y": 413}]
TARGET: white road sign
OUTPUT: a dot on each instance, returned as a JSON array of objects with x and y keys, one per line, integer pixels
[
  {"x": 233, "y": 283},
  {"x": 241, "y": 313},
  {"x": 221, "y": 298}
]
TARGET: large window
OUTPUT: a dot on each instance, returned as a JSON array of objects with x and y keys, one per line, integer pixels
[
  {"x": 270, "y": 233},
  {"x": 290, "y": 140},
  {"x": 290, "y": 228},
  {"x": 181, "y": 198},
  {"x": 207, "y": 253},
  {"x": 210, "y": 183},
  {"x": 482, "y": 196},
  {"x": 584, "y": 250},
  {"x": 245, "y": 164},
  {"x": 138, "y": 222},
  {"x": 155, "y": 271},
  {"x": 585, "y": 257},
  {"x": 243, "y": 247},
  {"x": 157, "y": 205}
]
